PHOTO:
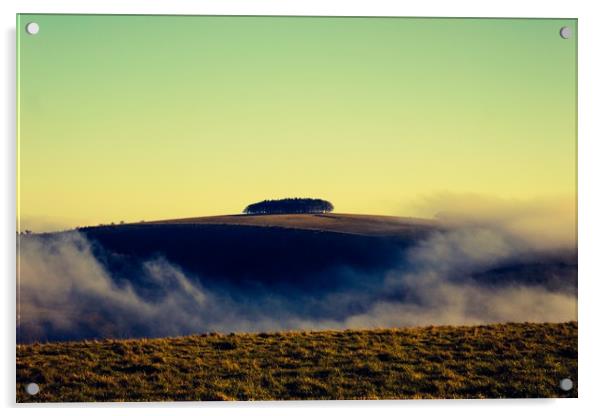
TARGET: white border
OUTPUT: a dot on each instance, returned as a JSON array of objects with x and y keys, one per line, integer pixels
[{"x": 590, "y": 176}]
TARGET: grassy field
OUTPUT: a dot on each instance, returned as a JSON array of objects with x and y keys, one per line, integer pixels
[{"x": 492, "y": 361}]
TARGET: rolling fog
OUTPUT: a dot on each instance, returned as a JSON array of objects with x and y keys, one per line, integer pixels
[{"x": 481, "y": 269}]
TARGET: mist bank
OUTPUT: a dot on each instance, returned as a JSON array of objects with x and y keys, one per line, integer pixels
[
  {"x": 541, "y": 223},
  {"x": 75, "y": 285}
]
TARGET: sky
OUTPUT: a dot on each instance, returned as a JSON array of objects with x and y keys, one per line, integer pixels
[{"x": 129, "y": 118}]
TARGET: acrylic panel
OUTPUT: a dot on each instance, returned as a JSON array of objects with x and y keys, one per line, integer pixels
[{"x": 285, "y": 208}]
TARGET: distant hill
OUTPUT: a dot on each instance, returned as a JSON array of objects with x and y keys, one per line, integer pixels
[
  {"x": 310, "y": 253},
  {"x": 296, "y": 251}
]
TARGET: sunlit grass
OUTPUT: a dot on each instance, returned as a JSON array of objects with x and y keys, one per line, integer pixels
[{"x": 504, "y": 360}]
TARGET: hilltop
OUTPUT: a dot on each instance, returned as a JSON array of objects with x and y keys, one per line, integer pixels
[
  {"x": 488, "y": 361},
  {"x": 370, "y": 225}
]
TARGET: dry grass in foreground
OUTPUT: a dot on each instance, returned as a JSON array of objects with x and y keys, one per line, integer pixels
[{"x": 505, "y": 360}]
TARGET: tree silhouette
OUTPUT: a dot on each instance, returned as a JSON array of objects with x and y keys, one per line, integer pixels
[{"x": 290, "y": 206}]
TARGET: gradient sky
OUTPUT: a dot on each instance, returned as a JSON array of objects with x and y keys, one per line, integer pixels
[{"x": 139, "y": 117}]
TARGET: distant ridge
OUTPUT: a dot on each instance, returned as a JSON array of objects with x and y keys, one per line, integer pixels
[{"x": 372, "y": 225}]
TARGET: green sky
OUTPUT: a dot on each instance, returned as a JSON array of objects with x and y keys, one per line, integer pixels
[{"x": 139, "y": 117}]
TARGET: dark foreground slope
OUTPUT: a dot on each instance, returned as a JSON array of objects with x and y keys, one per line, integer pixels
[{"x": 492, "y": 361}]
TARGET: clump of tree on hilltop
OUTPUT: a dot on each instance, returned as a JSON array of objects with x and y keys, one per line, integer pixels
[{"x": 290, "y": 206}]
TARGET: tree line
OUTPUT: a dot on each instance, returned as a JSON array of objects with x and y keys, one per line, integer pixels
[{"x": 290, "y": 206}]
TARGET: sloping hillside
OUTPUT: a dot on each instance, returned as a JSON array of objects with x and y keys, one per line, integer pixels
[
  {"x": 298, "y": 251},
  {"x": 491, "y": 361}
]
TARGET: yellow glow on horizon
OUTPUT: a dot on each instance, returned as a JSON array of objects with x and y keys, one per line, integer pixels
[{"x": 167, "y": 116}]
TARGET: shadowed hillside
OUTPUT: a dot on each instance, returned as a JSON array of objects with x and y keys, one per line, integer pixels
[
  {"x": 288, "y": 250},
  {"x": 301, "y": 252},
  {"x": 298, "y": 251}
]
